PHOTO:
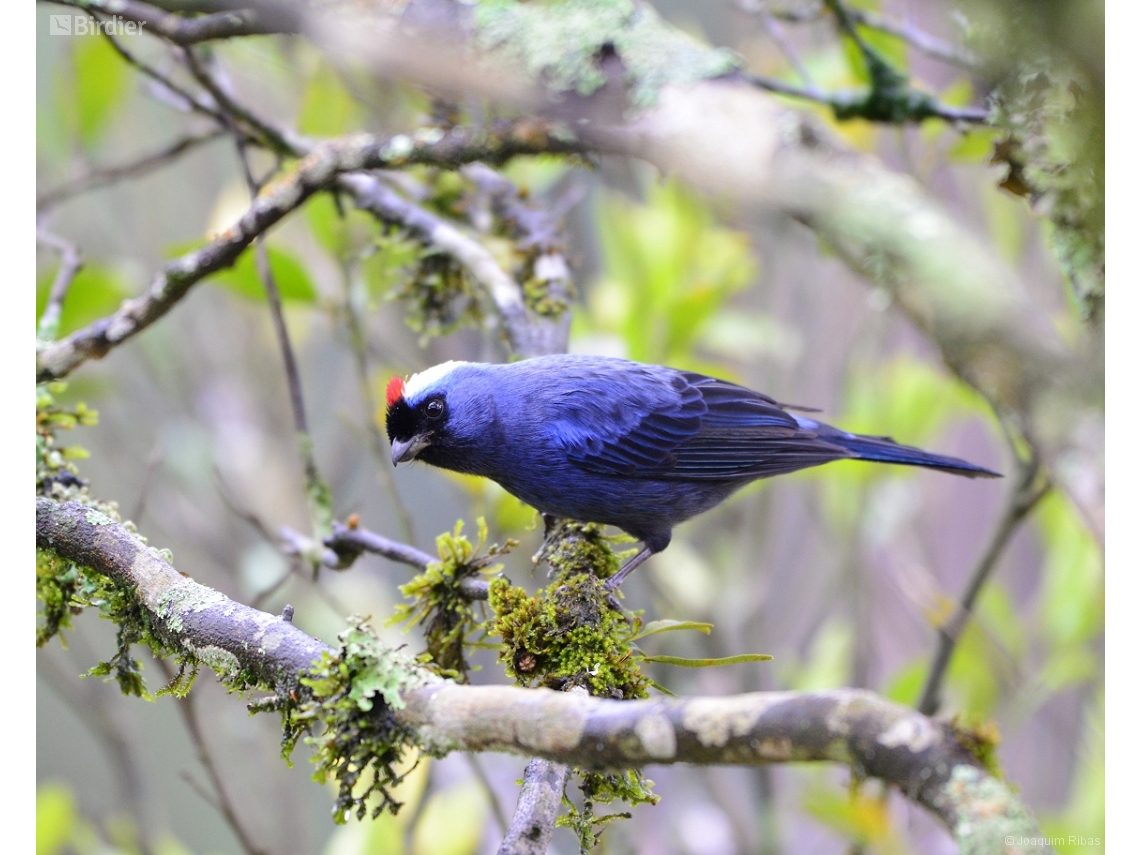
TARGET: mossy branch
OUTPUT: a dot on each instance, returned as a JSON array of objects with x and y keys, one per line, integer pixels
[{"x": 923, "y": 757}]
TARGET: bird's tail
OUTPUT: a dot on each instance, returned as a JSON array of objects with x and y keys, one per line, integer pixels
[{"x": 885, "y": 450}]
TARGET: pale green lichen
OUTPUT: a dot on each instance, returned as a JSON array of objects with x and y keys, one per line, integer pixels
[
  {"x": 989, "y": 815},
  {"x": 220, "y": 660},
  {"x": 351, "y": 693},
  {"x": 560, "y": 42},
  {"x": 179, "y": 600}
]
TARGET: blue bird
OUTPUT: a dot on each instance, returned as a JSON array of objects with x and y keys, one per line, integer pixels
[{"x": 597, "y": 439}]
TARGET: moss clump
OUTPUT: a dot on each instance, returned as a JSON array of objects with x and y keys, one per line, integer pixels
[
  {"x": 629, "y": 786},
  {"x": 574, "y": 548},
  {"x": 350, "y": 694},
  {"x": 570, "y": 634},
  {"x": 566, "y": 635},
  {"x": 440, "y": 604},
  {"x": 981, "y": 740},
  {"x": 56, "y": 474},
  {"x": 65, "y": 588}
]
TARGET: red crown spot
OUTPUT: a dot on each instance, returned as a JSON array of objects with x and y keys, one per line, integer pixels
[{"x": 395, "y": 390}]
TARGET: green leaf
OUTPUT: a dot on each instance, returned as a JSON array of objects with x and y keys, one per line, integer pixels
[
  {"x": 709, "y": 663},
  {"x": 327, "y": 108},
  {"x": 1071, "y": 609},
  {"x": 658, "y": 626},
  {"x": 452, "y": 821},
  {"x": 93, "y": 87},
  {"x": 907, "y": 682},
  {"x": 669, "y": 270},
  {"x": 95, "y": 291},
  {"x": 55, "y": 818},
  {"x": 289, "y": 272},
  {"x": 974, "y": 147}
]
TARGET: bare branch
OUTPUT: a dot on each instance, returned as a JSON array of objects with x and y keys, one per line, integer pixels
[
  {"x": 881, "y": 739},
  {"x": 540, "y": 802},
  {"x": 913, "y": 36},
  {"x": 221, "y": 801},
  {"x": 186, "y": 31},
  {"x": 1027, "y": 492},
  {"x": 190, "y": 100},
  {"x": 496, "y": 143},
  {"x": 70, "y": 262},
  {"x": 492, "y": 798},
  {"x": 348, "y": 542},
  {"x": 102, "y": 177}
]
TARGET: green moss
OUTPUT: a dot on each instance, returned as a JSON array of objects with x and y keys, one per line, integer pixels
[
  {"x": 348, "y": 698},
  {"x": 628, "y": 786},
  {"x": 560, "y": 43},
  {"x": 981, "y": 741},
  {"x": 65, "y": 588},
  {"x": 569, "y": 635},
  {"x": 439, "y": 603}
]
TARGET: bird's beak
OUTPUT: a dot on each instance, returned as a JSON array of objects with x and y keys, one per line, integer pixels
[{"x": 407, "y": 449}]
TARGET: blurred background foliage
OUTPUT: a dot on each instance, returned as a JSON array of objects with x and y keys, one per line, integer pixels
[{"x": 842, "y": 573}]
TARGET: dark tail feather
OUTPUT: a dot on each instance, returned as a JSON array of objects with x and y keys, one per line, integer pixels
[{"x": 885, "y": 450}]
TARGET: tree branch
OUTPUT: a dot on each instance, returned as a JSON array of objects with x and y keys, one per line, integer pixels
[
  {"x": 185, "y": 31},
  {"x": 527, "y": 333},
  {"x": 70, "y": 263},
  {"x": 221, "y": 801},
  {"x": 540, "y": 802},
  {"x": 881, "y": 739},
  {"x": 497, "y": 143},
  {"x": 1027, "y": 493}
]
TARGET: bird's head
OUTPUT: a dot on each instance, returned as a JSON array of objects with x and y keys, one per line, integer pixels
[{"x": 436, "y": 415}]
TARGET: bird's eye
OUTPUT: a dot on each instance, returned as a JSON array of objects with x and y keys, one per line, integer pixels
[{"x": 434, "y": 408}]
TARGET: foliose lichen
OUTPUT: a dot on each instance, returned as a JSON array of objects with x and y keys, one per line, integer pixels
[{"x": 344, "y": 705}]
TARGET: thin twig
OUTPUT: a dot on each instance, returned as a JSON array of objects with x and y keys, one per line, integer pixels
[
  {"x": 488, "y": 790},
  {"x": 185, "y": 31},
  {"x": 919, "y": 39},
  {"x": 358, "y": 344},
  {"x": 912, "y": 35},
  {"x": 848, "y": 105},
  {"x": 187, "y": 708},
  {"x": 102, "y": 177},
  {"x": 349, "y": 541},
  {"x": 1028, "y": 491},
  {"x": 278, "y": 139},
  {"x": 192, "y": 101},
  {"x": 89, "y": 700},
  {"x": 776, "y": 33},
  {"x": 70, "y": 263}
]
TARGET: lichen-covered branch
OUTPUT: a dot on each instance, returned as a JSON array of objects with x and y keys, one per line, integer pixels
[
  {"x": 497, "y": 142},
  {"x": 227, "y": 636},
  {"x": 540, "y": 801},
  {"x": 924, "y": 758}
]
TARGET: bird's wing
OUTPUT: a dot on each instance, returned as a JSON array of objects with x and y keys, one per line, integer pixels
[{"x": 684, "y": 426}]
